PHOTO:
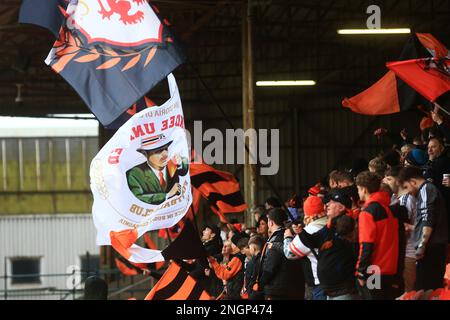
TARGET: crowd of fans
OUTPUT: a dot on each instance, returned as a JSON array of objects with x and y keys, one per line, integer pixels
[{"x": 373, "y": 232}]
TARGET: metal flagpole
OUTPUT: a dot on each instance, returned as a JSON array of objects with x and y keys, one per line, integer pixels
[{"x": 441, "y": 108}]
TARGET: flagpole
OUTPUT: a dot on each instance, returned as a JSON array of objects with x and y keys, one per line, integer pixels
[
  {"x": 168, "y": 235},
  {"x": 441, "y": 108},
  {"x": 194, "y": 218}
]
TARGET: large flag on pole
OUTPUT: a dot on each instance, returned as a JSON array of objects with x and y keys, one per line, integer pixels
[
  {"x": 391, "y": 94},
  {"x": 177, "y": 284},
  {"x": 140, "y": 179},
  {"x": 112, "y": 52},
  {"x": 429, "y": 77}
]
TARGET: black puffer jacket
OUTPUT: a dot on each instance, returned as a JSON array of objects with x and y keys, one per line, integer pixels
[
  {"x": 336, "y": 262},
  {"x": 433, "y": 171},
  {"x": 235, "y": 284},
  {"x": 281, "y": 278}
]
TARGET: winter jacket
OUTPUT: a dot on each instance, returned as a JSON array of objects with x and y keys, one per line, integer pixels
[
  {"x": 433, "y": 172},
  {"x": 295, "y": 249},
  {"x": 232, "y": 274},
  {"x": 280, "y": 277},
  {"x": 251, "y": 272},
  {"x": 378, "y": 236},
  {"x": 336, "y": 260}
]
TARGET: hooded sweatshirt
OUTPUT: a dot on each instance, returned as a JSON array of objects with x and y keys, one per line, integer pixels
[{"x": 378, "y": 236}]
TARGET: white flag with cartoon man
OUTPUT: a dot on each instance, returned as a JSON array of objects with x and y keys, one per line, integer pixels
[{"x": 140, "y": 179}]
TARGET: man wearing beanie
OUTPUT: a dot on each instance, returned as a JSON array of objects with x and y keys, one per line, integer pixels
[
  {"x": 416, "y": 157},
  {"x": 336, "y": 256},
  {"x": 315, "y": 219}
]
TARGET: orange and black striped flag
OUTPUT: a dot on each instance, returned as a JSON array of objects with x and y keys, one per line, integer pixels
[
  {"x": 220, "y": 188},
  {"x": 391, "y": 94},
  {"x": 177, "y": 284}
]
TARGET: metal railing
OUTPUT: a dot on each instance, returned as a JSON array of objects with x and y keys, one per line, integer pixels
[{"x": 120, "y": 287}]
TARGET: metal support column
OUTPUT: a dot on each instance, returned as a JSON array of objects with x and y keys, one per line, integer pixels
[{"x": 248, "y": 107}]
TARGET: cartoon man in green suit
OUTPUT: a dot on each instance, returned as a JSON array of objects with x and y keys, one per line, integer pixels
[{"x": 157, "y": 179}]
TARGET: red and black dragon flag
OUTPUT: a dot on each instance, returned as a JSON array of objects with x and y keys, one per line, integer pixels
[
  {"x": 219, "y": 188},
  {"x": 177, "y": 284},
  {"x": 112, "y": 52},
  {"x": 430, "y": 77},
  {"x": 391, "y": 94}
]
